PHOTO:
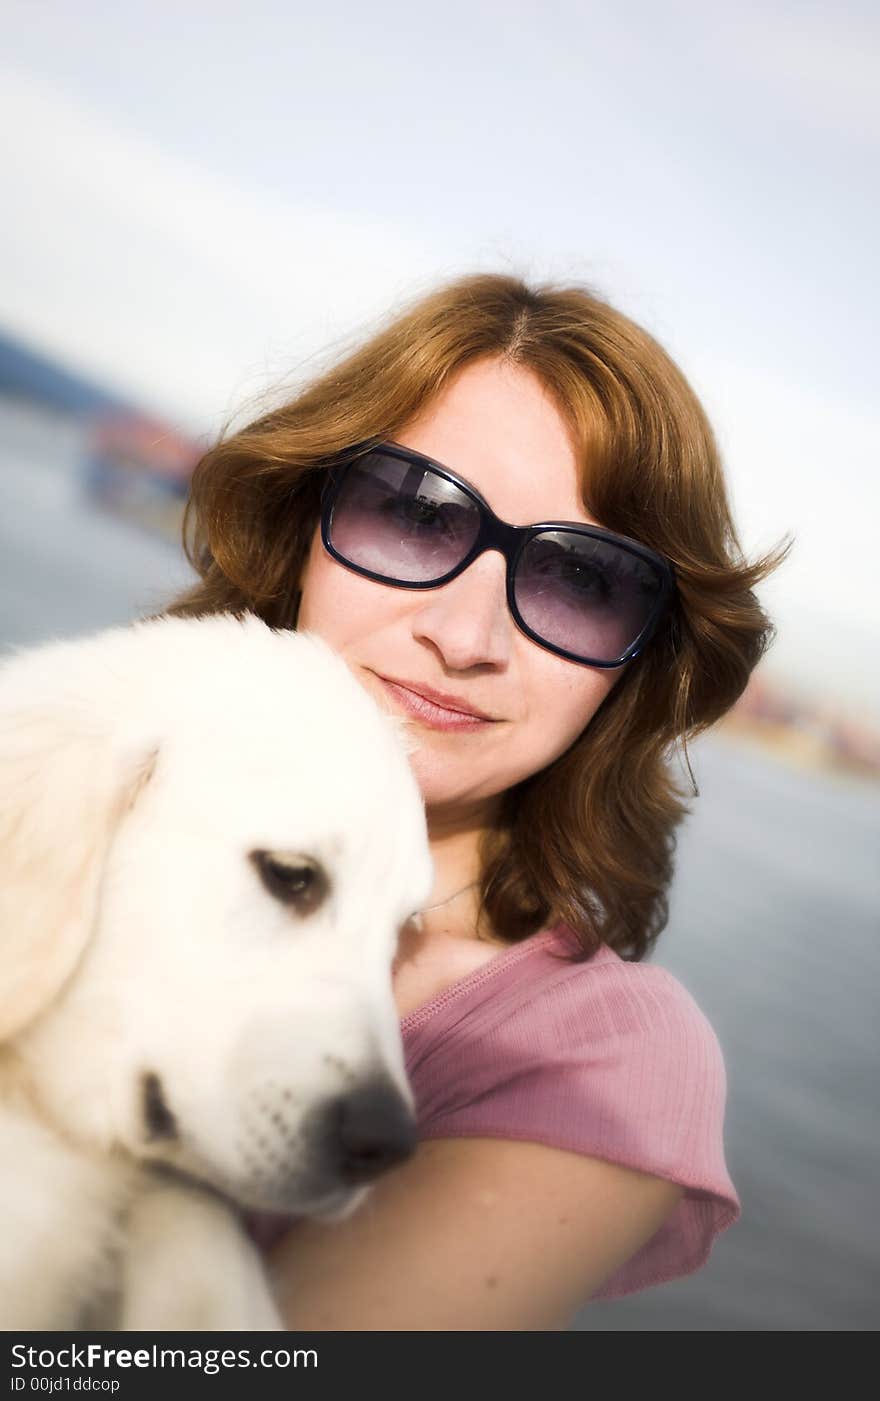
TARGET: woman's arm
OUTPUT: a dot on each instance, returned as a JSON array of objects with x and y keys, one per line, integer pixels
[{"x": 471, "y": 1234}]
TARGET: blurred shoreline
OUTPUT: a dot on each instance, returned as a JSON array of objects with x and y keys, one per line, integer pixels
[{"x": 805, "y": 733}]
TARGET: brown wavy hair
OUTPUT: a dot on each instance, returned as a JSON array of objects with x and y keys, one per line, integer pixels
[{"x": 590, "y": 839}]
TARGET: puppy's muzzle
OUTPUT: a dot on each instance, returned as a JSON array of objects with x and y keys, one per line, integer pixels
[{"x": 365, "y": 1132}]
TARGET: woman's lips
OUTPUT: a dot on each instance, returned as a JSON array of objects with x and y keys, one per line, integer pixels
[{"x": 431, "y": 714}]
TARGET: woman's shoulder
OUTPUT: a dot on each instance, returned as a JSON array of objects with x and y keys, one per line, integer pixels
[
  {"x": 540, "y": 988},
  {"x": 538, "y": 1040}
]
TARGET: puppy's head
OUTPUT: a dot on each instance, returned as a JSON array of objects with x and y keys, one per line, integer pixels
[{"x": 209, "y": 868}]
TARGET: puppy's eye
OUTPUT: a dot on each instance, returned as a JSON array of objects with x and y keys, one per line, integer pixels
[{"x": 293, "y": 878}]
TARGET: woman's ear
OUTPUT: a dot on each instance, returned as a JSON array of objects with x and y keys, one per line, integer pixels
[{"x": 64, "y": 786}]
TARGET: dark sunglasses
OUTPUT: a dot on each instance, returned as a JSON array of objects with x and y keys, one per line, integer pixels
[{"x": 582, "y": 592}]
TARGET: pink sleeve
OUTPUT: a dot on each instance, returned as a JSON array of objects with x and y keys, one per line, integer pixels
[{"x": 616, "y": 1061}]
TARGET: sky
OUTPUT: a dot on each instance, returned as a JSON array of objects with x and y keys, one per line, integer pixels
[{"x": 211, "y": 200}]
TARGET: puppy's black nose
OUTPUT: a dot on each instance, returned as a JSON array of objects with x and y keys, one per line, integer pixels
[{"x": 368, "y": 1131}]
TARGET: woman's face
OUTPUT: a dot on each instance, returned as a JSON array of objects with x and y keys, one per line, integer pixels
[{"x": 496, "y": 426}]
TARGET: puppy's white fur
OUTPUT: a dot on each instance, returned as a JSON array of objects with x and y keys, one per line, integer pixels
[{"x": 140, "y": 769}]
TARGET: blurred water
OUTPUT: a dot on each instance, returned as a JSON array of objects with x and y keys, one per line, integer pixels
[{"x": 774, "y": 928}]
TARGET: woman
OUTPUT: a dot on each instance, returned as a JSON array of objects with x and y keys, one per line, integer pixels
[{"x": 570, "y": 1097}]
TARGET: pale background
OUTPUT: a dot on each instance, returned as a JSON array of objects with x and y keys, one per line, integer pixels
[{"x": 205, "y": 199}]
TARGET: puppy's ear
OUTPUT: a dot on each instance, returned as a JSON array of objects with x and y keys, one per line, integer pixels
[{"x": 64, "y": 786}]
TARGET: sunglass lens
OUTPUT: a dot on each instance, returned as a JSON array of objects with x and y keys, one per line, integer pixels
[
  {"x": 590, "y": 597},
  {"x": 401, "y": 521}
]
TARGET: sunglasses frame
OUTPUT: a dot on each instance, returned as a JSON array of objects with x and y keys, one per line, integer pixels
[{"x": 496, "y": 534}]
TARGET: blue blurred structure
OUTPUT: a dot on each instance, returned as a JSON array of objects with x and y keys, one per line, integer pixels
[{"x": 128, "y": 462}]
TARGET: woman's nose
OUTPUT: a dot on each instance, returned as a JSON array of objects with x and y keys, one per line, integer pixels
[{"x": 468, "y": 619}]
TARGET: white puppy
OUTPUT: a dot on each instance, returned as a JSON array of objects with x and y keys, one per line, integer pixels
[{"x": 210, "y": 837}]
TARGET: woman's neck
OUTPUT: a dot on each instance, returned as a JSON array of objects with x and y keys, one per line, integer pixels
[{"x": 452, "y": 911}]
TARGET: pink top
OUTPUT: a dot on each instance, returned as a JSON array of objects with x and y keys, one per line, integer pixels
[{"x": 606, "y": 1058}]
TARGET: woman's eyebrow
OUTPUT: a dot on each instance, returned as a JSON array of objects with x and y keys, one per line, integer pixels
[{"x": 455, "y": 472}]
